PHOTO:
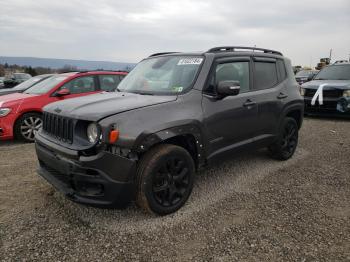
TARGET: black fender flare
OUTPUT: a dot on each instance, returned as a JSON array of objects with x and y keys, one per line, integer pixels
[
  {"x": 293, "y": 107},
  {"x": 148, "y": 139}
]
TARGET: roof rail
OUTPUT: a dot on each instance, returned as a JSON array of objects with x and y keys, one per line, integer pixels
[
  {"x": 242, "y": 48},
  {"x": 163, "y": 53},
  {"x": 99, "y": 70}
]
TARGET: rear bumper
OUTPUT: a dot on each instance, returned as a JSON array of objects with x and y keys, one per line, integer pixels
[{"x": 104, "y": 180}]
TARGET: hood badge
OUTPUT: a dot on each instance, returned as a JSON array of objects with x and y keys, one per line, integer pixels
[{"x": 58, "y": 110}]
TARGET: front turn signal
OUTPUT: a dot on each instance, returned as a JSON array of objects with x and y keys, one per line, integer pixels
[{"x": 113, "y": 136}]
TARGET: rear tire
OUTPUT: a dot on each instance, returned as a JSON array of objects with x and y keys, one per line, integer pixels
[
  {"x": 287, "y": 140},
  {"x": 27, "y": 126},
  {"x": 165, "y": 177}
]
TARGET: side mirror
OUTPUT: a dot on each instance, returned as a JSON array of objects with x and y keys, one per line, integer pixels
[
  {"x": 310, "y": 77},
  {"x": 228, "y": 88},
  {"x": 62, "y": 92}
]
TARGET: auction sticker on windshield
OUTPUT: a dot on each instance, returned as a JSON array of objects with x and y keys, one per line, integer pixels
[{"x": 190, "y": 61}]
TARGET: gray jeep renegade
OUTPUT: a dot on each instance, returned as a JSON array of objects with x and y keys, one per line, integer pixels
[{"x": 173, "y": 114}]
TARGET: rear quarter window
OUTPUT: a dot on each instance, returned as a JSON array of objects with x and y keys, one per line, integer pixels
[
  {"x": 281, "y": 69},
  {"x": 265, "y": 75}
]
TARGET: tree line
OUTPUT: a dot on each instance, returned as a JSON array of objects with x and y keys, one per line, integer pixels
[{"x": 33, "y": 71}]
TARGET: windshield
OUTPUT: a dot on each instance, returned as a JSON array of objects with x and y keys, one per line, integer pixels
[
  {"x": 335, "y": 72},
  {"x": 30, "y": 82},
  {"x": 166, "y": 75},
  {"x": 45, "y": 85},
  {"x": 304, "y": 73}
]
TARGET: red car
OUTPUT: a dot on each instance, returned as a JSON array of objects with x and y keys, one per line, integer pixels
[{"x": 20, "y": 113}]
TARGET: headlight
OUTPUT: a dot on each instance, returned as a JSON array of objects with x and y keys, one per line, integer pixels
[
  {"x": 346, "y": 93},
  {"x": 92, "y": 133},
  {"x": 4, "y": 111},
  {"x": 302, "y": 91}
]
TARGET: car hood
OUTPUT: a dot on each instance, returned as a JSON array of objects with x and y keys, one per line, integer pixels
[
  {"x": 10, "y": 99},
  {"x": 331, "y": 84},
  {"x": 98, "y": 106}
]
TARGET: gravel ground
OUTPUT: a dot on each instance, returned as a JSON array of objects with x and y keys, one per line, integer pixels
[{"x": 250, "y": 208}]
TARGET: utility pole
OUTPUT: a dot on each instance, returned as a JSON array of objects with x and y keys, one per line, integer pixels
[{"x": 330, "y": 55}]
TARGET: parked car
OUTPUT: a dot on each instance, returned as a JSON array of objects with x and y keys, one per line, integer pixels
[
  {"x": 304, "y": 76},
  {"x": 20, "y": 114},
  {"x": 25, "y": 85},
  {"x": 2, "y": 82},
  {"x": 15, "y": 79},
  {"x": 335, "y": 82},
  {"x": 175, "y": 113}
]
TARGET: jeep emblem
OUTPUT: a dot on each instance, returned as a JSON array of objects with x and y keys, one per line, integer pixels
[{"x": 58, "y": 110}]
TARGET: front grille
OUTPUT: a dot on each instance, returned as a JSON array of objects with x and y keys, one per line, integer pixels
[
  {"x": 335, "y": 93},
  {"x": 58, "y": 127}
]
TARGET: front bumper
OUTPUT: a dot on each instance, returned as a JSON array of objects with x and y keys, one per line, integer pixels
[
  {"x": 104, "y": 180},
  {"x": 6, "y": 126},
  {"x": 339, "y": 106}
]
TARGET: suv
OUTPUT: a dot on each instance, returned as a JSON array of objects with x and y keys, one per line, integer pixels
[
  {"x": 334, "y": 80},
  {"x": 15, "y": 79},
  {"x": 304, "y": 76},
  {"x": 21, "y": 113},
  {"x": 173, "y": 114}
]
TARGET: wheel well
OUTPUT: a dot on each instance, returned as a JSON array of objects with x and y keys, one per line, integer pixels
[
  {"x": 187, "y": 142},
  {"x": 24, "y": 113},
  {"x": 296, "y": 114}
]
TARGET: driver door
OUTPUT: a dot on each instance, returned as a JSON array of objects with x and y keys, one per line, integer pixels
[
  {"x": 80, "y": 86},
  {"x": 230, "y": 121}
]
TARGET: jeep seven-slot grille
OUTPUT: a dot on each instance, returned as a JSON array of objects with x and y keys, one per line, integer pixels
[{"x": 59, "y": 127}]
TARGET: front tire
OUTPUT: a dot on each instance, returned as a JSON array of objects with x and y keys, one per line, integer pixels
[
  {"x": 27, "y": 126},
  {"x": 287, "y": 140},
  {"x": 165, "y": 177}
]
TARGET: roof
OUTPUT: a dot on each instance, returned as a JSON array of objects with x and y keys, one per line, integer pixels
[{"x": 221, "y": 50}]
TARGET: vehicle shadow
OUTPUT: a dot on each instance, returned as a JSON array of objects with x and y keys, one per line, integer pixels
[
  {"x": 230, "y": 176},
  {"x": 329, "y": 117}
]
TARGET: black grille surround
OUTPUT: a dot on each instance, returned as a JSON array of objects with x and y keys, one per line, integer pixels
[
  {"x": 331, "y": 93},
  {"x": 59, "y": 127}
]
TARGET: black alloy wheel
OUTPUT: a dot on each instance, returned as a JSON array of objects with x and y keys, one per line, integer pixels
[
  {"x": 171, "y": 181},
  {"x": 165, "y": 179},
  {"x": 287, "y": 140}
]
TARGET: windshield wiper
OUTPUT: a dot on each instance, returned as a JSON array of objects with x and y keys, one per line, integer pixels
[{"x": 144, "y": 94}]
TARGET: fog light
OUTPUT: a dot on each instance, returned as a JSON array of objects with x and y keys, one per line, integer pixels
[{"x": 346, "y": 93}]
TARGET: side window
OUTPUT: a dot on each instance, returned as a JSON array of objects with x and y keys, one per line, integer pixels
[
  {"x": 265, "y": 75},
  {"x": 109, "y": 82},
  {"x": 282, "y": 73},
  {"x": 234, "y": 71},
  {"x": 121, "y": 77},
  {"x": 80, "y": 85}
]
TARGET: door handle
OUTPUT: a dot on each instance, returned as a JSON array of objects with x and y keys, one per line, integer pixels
[
  {"x": 249, "y": 103},
  {"x": 282, "y": 95}
]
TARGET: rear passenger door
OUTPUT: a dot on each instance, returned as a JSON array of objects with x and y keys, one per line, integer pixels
[{"x": 269, "y": 83}]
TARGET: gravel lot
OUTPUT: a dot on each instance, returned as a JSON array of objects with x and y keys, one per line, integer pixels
[{"x": 250, "y": 208}]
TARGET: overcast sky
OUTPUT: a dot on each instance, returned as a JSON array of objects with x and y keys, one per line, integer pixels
[{"x": 127, "y": 31}]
